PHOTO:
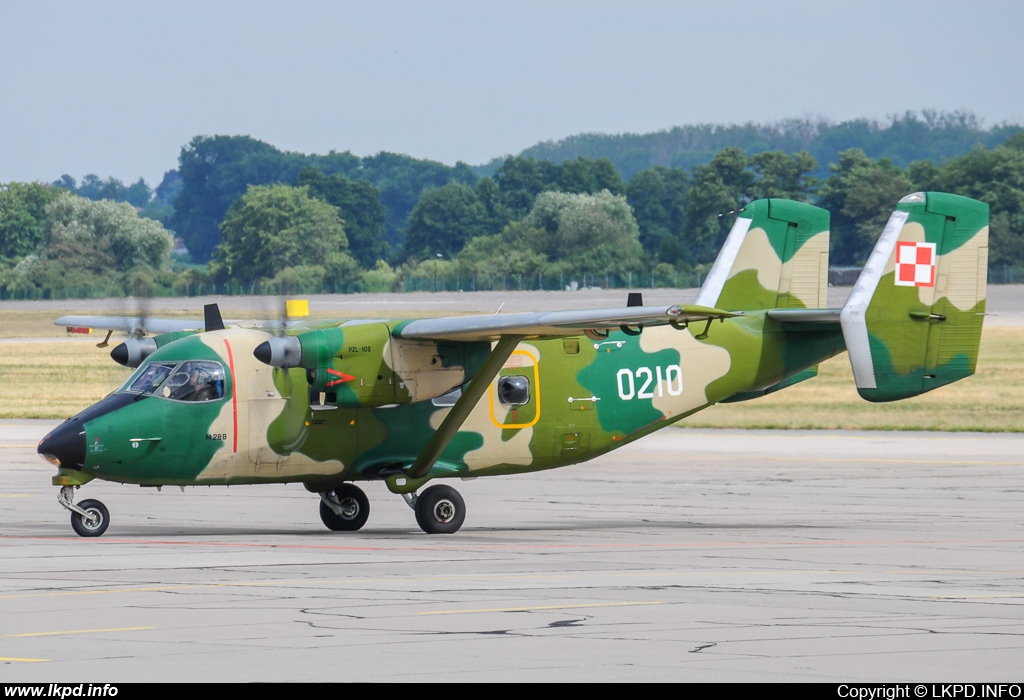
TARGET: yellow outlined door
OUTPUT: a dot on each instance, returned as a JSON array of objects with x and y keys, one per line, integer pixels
[{"x": 510, "y": 408}]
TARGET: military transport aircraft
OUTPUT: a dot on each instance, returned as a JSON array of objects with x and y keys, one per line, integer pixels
[{"x": 408, "y": 402}]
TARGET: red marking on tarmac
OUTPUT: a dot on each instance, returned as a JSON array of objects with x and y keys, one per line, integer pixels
[
  {"x": 234, "y": 392},
  {"x": 496, "y": 547}
]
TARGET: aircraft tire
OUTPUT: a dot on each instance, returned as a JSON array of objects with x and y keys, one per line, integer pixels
[
  {"x": 440, "y": 510},
  {"x": 96, "y": 525},
  {"x": 356, "y": 508}
]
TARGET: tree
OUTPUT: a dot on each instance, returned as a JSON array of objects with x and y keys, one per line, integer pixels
[
  {"x": 520, "y": 180},
  {"x": 586, "y": 176},
  {"x": 658, "y": 198},
  {"x": 993, "y": 176},
  {"x": 361, "y": 210},
  {"x": 444, "y": 220},
  {"x": 22, "y": 216},
  {"x": 781, "y": 175},
  {"x": 215, "y": 171},
  {"x": 274, "y": 227},
  {"x": 596, "y": 232},
  {"x": 77, "y": 228},
  {"x": 860, "y": 194},
  {"x": 723, "y": 185},
  {"x": 574, "y": 233}
]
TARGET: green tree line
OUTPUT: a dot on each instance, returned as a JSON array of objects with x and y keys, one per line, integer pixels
[{"x": 262, "y": 219}]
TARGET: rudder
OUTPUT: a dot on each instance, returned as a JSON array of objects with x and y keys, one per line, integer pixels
[
  {"x": 913, "y": 320},
  {"x": 776, "y": 256}
]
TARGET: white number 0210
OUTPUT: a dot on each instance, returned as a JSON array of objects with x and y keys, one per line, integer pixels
[{"x": 642, "y": 383}]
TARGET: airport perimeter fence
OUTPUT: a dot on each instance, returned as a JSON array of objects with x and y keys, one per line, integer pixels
[{"x": 454, "y": 282}]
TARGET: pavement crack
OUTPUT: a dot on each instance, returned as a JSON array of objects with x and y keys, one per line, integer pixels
[
  {"x": 566, "y": 623},
  {"x": 697, "y": 650}
]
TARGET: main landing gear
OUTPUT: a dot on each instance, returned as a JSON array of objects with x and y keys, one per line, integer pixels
[
  {"x": 439, "y": 510},
  {"x": 89, "y": 518}
]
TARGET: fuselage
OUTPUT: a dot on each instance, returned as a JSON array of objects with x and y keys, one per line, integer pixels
[{"x": 555, "y": 402}]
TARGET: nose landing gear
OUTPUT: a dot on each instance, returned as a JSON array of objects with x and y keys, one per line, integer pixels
[
  {"x": 346, "y": 508},
  {"x": 90, "y": 518}
]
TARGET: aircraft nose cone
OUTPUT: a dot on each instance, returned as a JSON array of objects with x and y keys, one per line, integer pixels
[
  {"x": 120, "y": 354},
  {"x": 66, "y": 443}
]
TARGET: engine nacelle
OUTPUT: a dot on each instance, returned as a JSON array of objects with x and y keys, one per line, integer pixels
[
  {"x": 132, "y": 352},
  {"x": 360, "y": 364}
]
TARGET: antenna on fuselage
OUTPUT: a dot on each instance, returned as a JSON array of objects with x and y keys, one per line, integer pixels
[{"x": 212, "y": 320}]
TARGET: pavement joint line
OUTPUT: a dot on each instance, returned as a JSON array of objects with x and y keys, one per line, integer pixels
[
  {"x": 979, "y": 595},
  {"x": 486, "y": 577},
  {"x": 532, "y": 608},
  {"x": 502, "y": 547}
]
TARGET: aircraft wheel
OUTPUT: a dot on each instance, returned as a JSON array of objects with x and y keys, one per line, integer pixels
[
  {"x": 355, "y": 509},
  {"x": 94, "y": 525},
  {"x": 440, "y": 510}
]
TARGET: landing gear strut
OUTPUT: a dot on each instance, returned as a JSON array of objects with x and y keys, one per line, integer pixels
[
  {"x": 346, "y": 508},
  {"x": 89, "y": 518}
]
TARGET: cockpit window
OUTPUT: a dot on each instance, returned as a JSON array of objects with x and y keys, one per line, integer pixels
[
  {"x": 195, "y": 381},
  {"x": 148, "y": 378}
]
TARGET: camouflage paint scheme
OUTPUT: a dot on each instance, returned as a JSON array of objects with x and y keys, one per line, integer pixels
[{"x": 588, "y": 394}]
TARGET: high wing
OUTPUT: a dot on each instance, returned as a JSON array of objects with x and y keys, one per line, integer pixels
[
  {"x": 552, "y": 324},
  {"x": 133, "y": 325},
  {"x": 530, "y": 325},
  {"x": 138, "y": 326}
]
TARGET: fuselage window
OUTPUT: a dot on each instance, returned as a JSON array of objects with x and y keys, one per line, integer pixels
[
  {"x": 514, "y": 390},
  {"x": 448, "y": 399},
  {"x": 195, "y": 381}
]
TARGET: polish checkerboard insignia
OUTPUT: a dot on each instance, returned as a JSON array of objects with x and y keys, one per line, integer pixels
[{"x": 915, "y": 264}]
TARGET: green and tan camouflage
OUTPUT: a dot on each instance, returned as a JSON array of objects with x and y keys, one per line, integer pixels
[
  {"x": 913, "y": 320},
  {"x": 412, "y": 401}
]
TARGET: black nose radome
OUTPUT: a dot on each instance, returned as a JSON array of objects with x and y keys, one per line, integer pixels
[
  {"x": 279, "y": 352},
  {"x": 66, "y": 444},
  {"x": 133, "y": 351},
  {"x": 263, "y": 353},
  {"x": 120, "y": 354}
]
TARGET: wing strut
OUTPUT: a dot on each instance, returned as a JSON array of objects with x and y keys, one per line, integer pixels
[{"x": 462, "y": 408}]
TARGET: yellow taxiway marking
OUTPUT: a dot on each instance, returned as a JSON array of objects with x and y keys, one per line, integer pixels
[
  {"x": 24, "y": 661},
  {"x": 530, "y": 608},
  {"x": 54, "y": 634},
  {"x": 27, "y": 444},
  {"x": 15, "y": 495}
]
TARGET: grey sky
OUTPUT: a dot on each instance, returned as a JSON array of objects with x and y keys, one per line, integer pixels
[{"x": 117, "y": 88}]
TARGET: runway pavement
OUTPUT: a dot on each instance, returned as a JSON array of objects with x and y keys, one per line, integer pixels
[{"x": 692, "y": 555}]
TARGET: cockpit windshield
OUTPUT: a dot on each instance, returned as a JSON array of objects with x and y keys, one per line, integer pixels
[
  {"x": 193, "y": 380},
  {"x": 148, "y": 378}
]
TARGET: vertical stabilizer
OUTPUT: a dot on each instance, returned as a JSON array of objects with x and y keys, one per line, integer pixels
[
  {"x": 913, "y": 320},
  {"x": 776, "y": 256}
]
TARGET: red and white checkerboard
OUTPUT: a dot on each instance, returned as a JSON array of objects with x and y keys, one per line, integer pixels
[{"x": 915, "y": 264}]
